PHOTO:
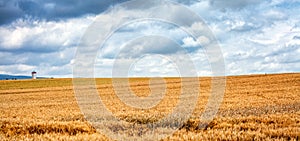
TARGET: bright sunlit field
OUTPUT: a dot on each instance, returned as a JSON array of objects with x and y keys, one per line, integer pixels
[{"x": 255, "y": 107}]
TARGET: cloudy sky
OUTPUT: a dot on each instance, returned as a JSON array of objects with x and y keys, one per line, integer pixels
[{"x": 255, "y": 37}]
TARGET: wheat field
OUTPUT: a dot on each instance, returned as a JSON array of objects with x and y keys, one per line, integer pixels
[{"x": 254, "y": 107}]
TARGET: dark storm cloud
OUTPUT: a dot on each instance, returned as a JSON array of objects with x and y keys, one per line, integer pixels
[{"x": 11, "y": 10}]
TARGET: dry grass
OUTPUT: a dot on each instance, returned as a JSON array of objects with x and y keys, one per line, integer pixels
[{"x": 257, "y": 107}]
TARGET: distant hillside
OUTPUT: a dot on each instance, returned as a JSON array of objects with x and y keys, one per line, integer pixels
[{"x": 11, "y": 77}]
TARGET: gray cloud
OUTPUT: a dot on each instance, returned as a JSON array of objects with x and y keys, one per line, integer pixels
[
  {"x": 57, "y": 58},
  {"x": 149, "y": 45},
  {"x": 296, "y": 37},
  {"x": 10, "y": 10},
  {"x": 233, "y": 4},
  {"x": 51, "y": 10}
]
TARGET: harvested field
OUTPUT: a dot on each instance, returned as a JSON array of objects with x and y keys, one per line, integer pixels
[{"x": 255, "y": 107}]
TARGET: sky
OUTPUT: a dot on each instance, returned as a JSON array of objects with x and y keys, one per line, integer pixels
[{"x": 255, "y": 37}]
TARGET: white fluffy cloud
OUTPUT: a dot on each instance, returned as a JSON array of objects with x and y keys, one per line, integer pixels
[
  {"x": 259, "y": 39},
  {"x": 46, "y": 47}
]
